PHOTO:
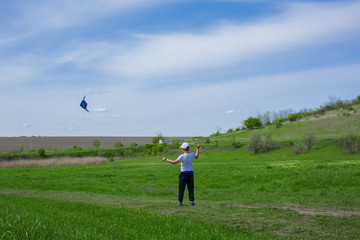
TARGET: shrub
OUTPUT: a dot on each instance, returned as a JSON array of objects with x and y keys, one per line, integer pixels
[
  {"x": 293, "y": 117},
  {"x": 155, "y": 149},
  {"x": 254, "y": 143},
  {"x": 41, "y": 153},
  {"x": 21, "y": 148},
  {"x": 109, "y": 155},
  {"x": 281, "y": 120},
  {"x": 350, "y": 144},
  {"x": 96, "y": 143},
  {"x": 252, "y": 123},
  {"x": 309, "y": 140},
  {"x": 299, "y": 149},
  {"x": 120, "y": 151},
  {"x": 267, "y": 142},
  {"x": 118, "y": 144},
  {"x": 265, "y": 118},
  {"x": 278, "y": 124},
  {"x": 230, "y": 130},
  {"x": 234, "y": 143}
]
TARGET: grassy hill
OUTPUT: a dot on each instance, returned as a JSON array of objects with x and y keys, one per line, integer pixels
[
  {"x": 238, "y": 194},
  {"x": 332, "y": 124}
]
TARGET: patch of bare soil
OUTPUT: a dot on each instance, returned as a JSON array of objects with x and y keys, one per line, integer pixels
[
  {"x": 117, "y": 201},
  {"x": 306, "y": 211}
]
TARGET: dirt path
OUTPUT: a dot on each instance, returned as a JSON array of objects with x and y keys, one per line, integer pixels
[
  {"x": 116, "y": 201},
  {"x": 305, "y": 211}
]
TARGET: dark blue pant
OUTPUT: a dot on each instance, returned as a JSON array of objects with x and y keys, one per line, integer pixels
[{"x": 186, "y": 179}]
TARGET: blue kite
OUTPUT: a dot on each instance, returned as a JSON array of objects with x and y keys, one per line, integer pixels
[{"x": 84, "y": 104}]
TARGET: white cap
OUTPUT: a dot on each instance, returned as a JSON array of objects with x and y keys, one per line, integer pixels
[{"x": 185, "y": 145}]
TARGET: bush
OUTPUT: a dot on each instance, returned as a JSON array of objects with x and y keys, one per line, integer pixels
[
  {"x": 234, "y": 143},
  {"x": 265, "y": 118},
  {"x": 41, "y": 153},
  {"x": 350, "y": 144},
  {"x": 309, "y": 140},
  {"x": 252, "y": 123},
  {"x": 278, "y": 124},
  {"x": 118, "y": 144},
  {"x": 293, "y": 117},
  {"x": 267, "y": 142},
  {"x": 254, "y": 143},
  {"x": 299, "y": 149},
  {"x": 109, "y": 155},
  {"x": 281, "y": 120},
  {"x": 96, "y": 143}
]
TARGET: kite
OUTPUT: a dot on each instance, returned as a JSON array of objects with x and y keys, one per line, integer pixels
[{"x": 84, "y": 104}]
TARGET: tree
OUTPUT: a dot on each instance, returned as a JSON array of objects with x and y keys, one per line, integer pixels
[
  {"x": 96, "y": 143},
  {"x": 252, "y": 123},
  {"x": 118, "y": 144},
  {"x": 309, "y": 140},
  {"x": 267, "y": 141},
  {"x": 41, "y": 153},
  {"x": 254, "y": 143},
  {"x": 157, "y": 138},
  {"x": 265, "y": 118},
  {"x": 293, "y": 117},
  {"x": 21, "y": 148}
]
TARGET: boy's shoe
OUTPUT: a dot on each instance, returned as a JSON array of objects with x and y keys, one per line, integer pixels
[
  {"x": 180, "y": 204},
  {"x": 192, "y": 203}
]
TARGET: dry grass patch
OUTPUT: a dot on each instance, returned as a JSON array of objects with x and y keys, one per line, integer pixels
[{"x": 54, "y": 162}]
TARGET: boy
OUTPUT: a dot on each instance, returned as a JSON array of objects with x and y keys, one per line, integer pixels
[{"x": 186, "y": 176}]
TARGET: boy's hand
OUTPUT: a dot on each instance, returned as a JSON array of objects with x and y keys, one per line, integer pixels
[
  {"x": 197, "y": 146},
  {"x": 164, "y": 159}
]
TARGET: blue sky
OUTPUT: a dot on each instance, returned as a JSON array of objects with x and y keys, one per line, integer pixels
[{"x": 181, "y": 67}]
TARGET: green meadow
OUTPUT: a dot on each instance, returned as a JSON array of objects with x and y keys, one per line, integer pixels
[{"x": 238, "y": 194}]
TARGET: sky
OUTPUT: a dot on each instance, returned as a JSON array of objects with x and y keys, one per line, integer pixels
[{"x": 179, "y": 67}]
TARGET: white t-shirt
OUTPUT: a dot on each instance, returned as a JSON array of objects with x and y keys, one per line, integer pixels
[{"x": 186, "y": 160}]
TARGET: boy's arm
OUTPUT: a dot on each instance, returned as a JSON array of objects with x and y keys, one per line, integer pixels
[
  {"x": 197, "y": 151},
  {"x": 171, "y": 161}
]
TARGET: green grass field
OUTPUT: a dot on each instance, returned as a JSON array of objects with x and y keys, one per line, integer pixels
[{"x": 238, "y": 194}]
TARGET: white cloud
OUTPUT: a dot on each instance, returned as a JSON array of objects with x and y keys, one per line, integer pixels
[
  {"x": 90, "y": 91},
  {"x": 13, "y": 73},
  {"x": 133, "y": 112},
  {"x": 150, "y": 56},
  {"x": 25, "y": 125},
  {"x": 162, "y": 55},
  {"x": 230, "y": 112},
  {"x": 57, "y": 14},
  {"x": 100, "y": 110}
]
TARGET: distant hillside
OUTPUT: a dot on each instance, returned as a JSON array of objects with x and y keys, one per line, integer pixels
[{"x": 331, "y": 124}]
